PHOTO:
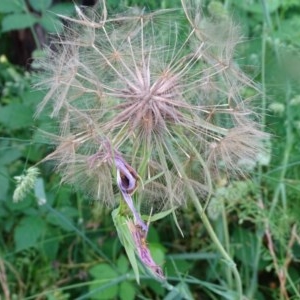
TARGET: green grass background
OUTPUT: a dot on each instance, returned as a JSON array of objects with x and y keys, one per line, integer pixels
[{"x": 68, "y": 247}]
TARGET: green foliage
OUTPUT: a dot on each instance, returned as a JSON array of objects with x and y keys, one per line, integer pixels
[
  {"x": 54, "y": 244},
  {"x": 104, "y": 274},
  {"x": 28, "y": 231},
  {"x": 21, "y": 14}
]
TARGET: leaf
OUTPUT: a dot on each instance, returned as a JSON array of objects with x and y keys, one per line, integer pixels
[
  {"x": 127, "y": 291},
  {"x": 66, "y": 9},
  {"x": 16, "y": 116},
  {"x": 249, "y": 240},
  {"x": 9, "y": 156},
  {"x": 157, "y": 252},
  {"x": 4, "y": 215},
  {"x": 51, "y": 23},
  {"x": 106, "y": 273},
  {"x": 18, "y": 21},
  {"x": 69, "y": 211},
  {"x": 50, "y": 244},
  {"x": 103, "y": 271},
  {"x": 64, "y": 219},
  {"x": 105, "y": 293},
  {"x": 4, "y": 182},
  {"x": 162, "y": 214},
  {"x": 39, "y": 191},
  {"x": 182, "y": 291},
  {"x": 32, "y": 97},
  {"x": 126, "y": 240},
  {"x": 122, "y": 264},
  {"x": 36, "y": 152},
  {"x": 28, "y": 231},
  {"x": 40, "y": 5},
  {"x": 173, "y": 267},
  {"x": 11, "y": 6},
  {"x": 20, "y": 206}
]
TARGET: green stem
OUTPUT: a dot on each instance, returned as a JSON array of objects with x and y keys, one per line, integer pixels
[
  {"x": 202, "y": 214},
  {"x": 36, "y": 39},
  {"x": 226, "y": 242},
  {"x": 80, "y": 224},
  {"x": 253, "y": 285},
  {"x": 217, "y": 243},
  {"x": 32, "y": 30},
  {"x": 293, "y": 286},
  {"x": 263, "y": 77},
  {"x": 204, "y": 217}
]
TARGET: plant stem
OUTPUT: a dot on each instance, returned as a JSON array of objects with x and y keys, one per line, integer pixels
[
  {"x": 226, "y": 241},
  {"x": 32, "y": 30},
  {"x": 217, "y": 243},
  {"x": 206, "y": 222},
  {"x": 253, "y": 285}
]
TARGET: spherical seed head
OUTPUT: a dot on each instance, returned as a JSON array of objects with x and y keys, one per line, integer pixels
[{"x": 155, "y": 89}]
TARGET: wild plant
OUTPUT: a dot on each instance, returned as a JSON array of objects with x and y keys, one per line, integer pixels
[{"x": 151, "y": 105}]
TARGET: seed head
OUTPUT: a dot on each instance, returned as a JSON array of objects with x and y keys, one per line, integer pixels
[
  {"x": 157, "y": 88},
  {"x": 25, "y": 183}
]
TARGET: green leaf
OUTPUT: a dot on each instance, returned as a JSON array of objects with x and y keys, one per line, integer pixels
[
  {"x": 105, "y": 294},
  {"x": 182, "y": 291},
  {"x": 50, "y": 244},
  {"x": 4, "y": 214},
  {"x": 20, "y": 206},
  {"x": 161, "y": 215},
  {"x": 4, "y": 182},
  {"x": 156, "y": 287},
  {"x": 51, "y": 23},
  {"x": 249, "y": 240},
  {"x": 39, "y": 191},
  {"x": 122, "y": 264},
  {"x": 64, "y": 219},
  {"x": 32, "y": 97},
  {"x": 127, "y": 291},
  {"x": 11, "y": 6},
  {"x": 36, "y": 152},
  {"x": 126, "y": 240},
  {"x": 173, "y": 267},
  {"x": 69, "y": 211},
  {"x": 18, "y": 21},
  {"x": 66, "y": 9},
  {"x": 16, "y": 116},
  {"x": 157, "y": 252},
  {"x": 28, "y": 231},
  {"x": 40, "y": 5},
  {"x": 9, "y": 156},
  {"x": 105, "y": 273}
]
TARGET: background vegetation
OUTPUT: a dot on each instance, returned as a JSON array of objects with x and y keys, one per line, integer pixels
[{"x": 66, "y": 247}]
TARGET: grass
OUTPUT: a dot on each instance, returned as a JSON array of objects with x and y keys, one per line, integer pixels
[{"x": 241, "y": 240}]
